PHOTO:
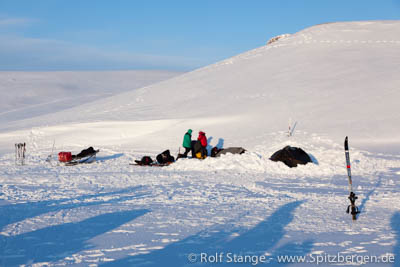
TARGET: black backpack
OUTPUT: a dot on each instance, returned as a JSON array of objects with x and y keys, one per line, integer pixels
[{"x": 165, "y": 157}]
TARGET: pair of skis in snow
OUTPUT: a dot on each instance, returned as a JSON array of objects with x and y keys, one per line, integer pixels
[
  {"x": 352, "y": 208},
  {"x": 20, "y": 150}
]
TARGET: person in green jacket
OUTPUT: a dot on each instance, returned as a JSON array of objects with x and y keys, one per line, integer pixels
[{"x": 187, "y": 142}]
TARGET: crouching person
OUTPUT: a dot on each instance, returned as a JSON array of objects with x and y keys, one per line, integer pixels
[{"x": 199, "y": 148}]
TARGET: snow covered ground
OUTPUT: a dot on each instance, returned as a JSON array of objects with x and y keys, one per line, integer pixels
[{"x": 333, "y": 80}]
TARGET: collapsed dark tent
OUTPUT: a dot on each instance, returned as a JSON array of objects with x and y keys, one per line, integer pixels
[{"x": 291, "y": 156}]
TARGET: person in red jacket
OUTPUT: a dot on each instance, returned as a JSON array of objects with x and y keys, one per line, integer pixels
[{"x": 203, "y": 140}]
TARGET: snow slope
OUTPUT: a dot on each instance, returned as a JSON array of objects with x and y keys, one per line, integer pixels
[
  {"x": 29, "y": 94},
  {"x": 332, "y": 79}
]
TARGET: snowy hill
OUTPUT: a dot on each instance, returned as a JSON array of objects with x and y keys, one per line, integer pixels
[{"x": 332, "y": 79}]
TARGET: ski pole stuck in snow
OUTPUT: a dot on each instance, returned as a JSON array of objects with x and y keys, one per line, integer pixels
[{"x": 291, "y": 128}]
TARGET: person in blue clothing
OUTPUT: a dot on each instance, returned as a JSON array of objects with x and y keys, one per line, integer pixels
[{"x": 187, "y": 142}]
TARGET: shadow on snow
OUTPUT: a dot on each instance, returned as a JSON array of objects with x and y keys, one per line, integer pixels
[
  {"x": 105, "y": 158},
  {"x": 219, "y": 145},
  {"x": 313, "y": 159},
  {"x": 263, "y": 238},
  {"x": 13, "y": 213},
  {"x": 395, "y": 224},
  {"x": 367, "y": 197},
  {"x": 56, "y": 242}
]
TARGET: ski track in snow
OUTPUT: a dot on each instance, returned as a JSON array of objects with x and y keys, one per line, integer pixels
[{"x": 307, "y": 40}]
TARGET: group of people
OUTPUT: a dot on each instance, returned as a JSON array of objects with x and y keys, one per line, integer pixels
[{"x": 198, "y": 147}]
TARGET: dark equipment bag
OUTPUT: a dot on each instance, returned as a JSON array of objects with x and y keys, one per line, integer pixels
[
  {"x": 146, "y": 160},
  {"x": 165, "y": 157}
]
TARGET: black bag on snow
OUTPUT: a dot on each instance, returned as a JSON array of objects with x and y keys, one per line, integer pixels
[
  {"x": 165, "y": 157},
  {"x": 146, "y": 160}
]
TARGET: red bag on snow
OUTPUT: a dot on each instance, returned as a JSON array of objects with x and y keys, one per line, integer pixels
[{"x": 64, "y": 156}]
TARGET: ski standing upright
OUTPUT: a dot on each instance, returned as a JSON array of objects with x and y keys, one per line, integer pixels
[{"x": 352, "y": 208}]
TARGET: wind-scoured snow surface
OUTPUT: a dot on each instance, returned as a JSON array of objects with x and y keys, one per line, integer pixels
[{"x": 330, "y": 80}]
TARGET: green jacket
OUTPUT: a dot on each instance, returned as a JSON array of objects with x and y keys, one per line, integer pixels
[{"x": 187, "y": 139}]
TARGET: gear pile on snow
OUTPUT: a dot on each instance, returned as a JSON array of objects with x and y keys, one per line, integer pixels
[
  {"x": 85, "y": 156},
  {"x": 291, "y": 156},
  {"x": 163, "y": 159}
]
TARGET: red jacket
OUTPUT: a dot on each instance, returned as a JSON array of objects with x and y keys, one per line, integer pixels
[{"x": 202, "y": 138}]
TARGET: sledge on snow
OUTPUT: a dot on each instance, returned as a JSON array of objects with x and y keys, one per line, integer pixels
[
  {"x": 162, "y": 159},
  {"x": 85, "y": 156}
]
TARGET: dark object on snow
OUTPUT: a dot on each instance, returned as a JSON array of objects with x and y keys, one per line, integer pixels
[
  {"x": 146, "y": 160},
  {"x": 214, "y": 151},
  {"x": 198, "y": 150},
  {"x": 291, "y": 156},
  {"x": 165, "y": 157},
  {"x": 181, "y": 156},
  {"x": 85, "y": 153},
  {"x": 232, "y": 150}
]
